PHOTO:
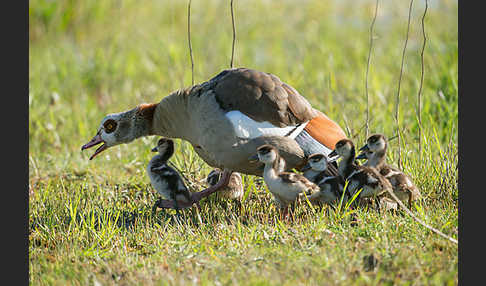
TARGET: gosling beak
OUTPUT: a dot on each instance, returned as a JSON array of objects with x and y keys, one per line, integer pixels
[
  {"x": 362, "y": 155},
  {"x": 332, "y": 155},
  {"x": 364, "y": 148},
  {"x": 154, "y": 149},
  {"x": 306, "y": 167},
  {"x": 253, "y": 158}
]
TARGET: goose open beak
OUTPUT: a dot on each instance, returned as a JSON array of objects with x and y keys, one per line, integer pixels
[
  {"x": 95, "y": 141},
  {"x": 253, "y": 158}
]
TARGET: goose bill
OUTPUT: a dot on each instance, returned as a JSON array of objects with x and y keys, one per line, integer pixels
[
  {"x": 364, "y": 148},
  {"x": 333, "y": 155},
  {"x": 95, "y": 141},
  {"x": 361, "y": 156},
  {"x": 253, "y": 158}
]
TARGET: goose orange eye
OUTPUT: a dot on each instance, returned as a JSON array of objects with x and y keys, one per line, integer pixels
[{"x": 110, "y": 126}]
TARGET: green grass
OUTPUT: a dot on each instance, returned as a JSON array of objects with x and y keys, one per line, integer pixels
[{"x": 90, "y": 221}]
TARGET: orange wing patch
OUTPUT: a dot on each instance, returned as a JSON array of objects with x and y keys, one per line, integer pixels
[{"x": 324, "y": 130}]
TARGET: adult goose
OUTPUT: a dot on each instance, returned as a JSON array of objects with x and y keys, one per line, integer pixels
[{"x": 225, "y": 119}]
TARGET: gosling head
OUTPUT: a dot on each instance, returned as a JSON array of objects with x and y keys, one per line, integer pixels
[
  {"x": 267, "y": 154},
  {"x": 317, "y": 162},
  {"x": 213, "y": 177},
  {"x": 343, "y": 148},
  {"x": 164, "y": 146},
  {"x": 375, "y": 143}
]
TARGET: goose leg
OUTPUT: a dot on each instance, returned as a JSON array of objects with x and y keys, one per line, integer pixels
[
  {"x": 196, "y": 197},
  {"x": 284, "y": 214}
]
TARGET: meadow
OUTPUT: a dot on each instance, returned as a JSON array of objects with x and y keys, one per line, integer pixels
[{"x": 90, "y": 222}]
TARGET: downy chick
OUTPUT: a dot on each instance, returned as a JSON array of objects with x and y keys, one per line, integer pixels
[
  {"x": 164, "y": 179},
  {"x": 286, "y": 187},
  {"x": 234, "y": 190},
  {"x": 375, "y": 151},
  {"x": 372, "y": 183},
  {"x": 331, "y": 187}
]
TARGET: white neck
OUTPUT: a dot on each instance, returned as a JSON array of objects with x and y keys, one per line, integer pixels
[
  {"x": 375, "y": 160},
  {"x": 269, "y": 172},
  {"x": 186, "y": 115}
]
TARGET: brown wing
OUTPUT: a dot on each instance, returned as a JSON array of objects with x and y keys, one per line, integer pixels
[
  {"x": 261, "y": 96},
  {"x": 291, "y": 178},
  {"x": 386, "y": 169}
]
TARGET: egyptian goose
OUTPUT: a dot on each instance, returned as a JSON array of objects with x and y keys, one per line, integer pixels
[
  {"x": 233, "y": 191},
  {"x": 286, "y": 187},
  {"x": 164, "y": 179},
  {"x": 316, "y": 171},
  {"x": 225, "y": 119},
  {"x": 375, "y": 151},
  {"x": 372, "y": 183}
]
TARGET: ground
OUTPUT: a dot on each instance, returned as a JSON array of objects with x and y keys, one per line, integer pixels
[{"x": 90, "y": 222}]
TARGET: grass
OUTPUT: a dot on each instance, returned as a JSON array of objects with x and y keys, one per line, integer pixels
[{"x": 90, "y": 221}]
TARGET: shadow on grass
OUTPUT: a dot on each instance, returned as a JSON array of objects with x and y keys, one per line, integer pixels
[{"x": 212, "y": 211}]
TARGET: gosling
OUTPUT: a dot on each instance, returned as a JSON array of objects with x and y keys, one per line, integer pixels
[
  {"x": 164, "y": 179},
  {"x": 372, "y": 183},
  {"x": 375, "y": 151},
  {"x": 331, "y": 187},
  {"x": 286, "y": 187}
]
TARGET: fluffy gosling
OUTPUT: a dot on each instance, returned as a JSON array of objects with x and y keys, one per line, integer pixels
[
  {"x": 164, "y": 179},
  {"x": 375, "y": 151},
  {"x": 286, "y": 187}
]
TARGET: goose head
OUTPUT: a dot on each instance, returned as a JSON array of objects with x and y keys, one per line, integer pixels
[
  {"x": 122, "y": 128},
  {"x": 317, "y": 162},
  {"x": 344, "y": 148}
]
